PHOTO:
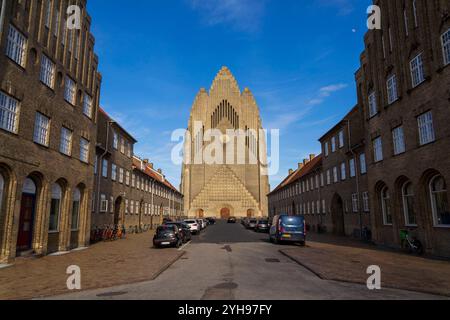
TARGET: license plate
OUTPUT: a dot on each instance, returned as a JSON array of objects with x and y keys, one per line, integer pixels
[
  {"x": 165, "y": 243},
  {"x": 286, "y": 236}
]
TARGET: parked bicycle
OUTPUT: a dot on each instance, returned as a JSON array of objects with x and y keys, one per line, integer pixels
[{"x": 411, "y": 244}]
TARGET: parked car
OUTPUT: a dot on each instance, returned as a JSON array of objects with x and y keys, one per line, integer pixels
[
  {"x": 165, "y": 220},
  {"x": 194, "y": 225},
  {"x": 288, "y": 229},
  {"x": 205, "y": 223},
  {"x": 262, "y": 226},
  {"x": 232, "y": 220},
  {"x": 201, "y": 223},
  {"x": 184, "y": 229},
  {"x": 211, "y": 221},
  {"x": 244, "y": 222},
  {"x": 252, "y": 224},
  {"x": 168, "y": 236}
]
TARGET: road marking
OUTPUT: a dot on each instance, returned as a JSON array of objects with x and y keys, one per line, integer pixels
[{"x": 185, "y": 245}]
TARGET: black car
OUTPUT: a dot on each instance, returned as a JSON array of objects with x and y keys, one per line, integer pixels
[
  {"x": 168, "y": 236},
  {"x": 232, "y": 220},
  {"x": 184, "y": 229},
  {"x": 262, "y": 226},
  {"x": 211, "y": 221}
]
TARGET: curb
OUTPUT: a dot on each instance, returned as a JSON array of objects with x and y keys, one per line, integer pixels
[{"x": 168, "y": 265}]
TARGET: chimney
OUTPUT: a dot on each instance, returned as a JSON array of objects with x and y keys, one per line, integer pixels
[
  {"x": 146, "y": 161},
  {"x": 150, "y": 165},
  {"x": 300, "y": 166},
  {"x": 159, "y": 171},
  {"x": 291, "y": 171},
  {"x": 311, "y": 157},
  {"x": 305, "y": 162}
]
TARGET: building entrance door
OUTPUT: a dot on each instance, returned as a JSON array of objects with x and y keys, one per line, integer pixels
[
  {"x": 225, "y": 213},
  {"x": 337, "y": 212},
  {"x": 25, "y": 235}
]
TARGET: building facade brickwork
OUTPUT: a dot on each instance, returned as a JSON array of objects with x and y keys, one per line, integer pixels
[{"x": 49, "y": 94}]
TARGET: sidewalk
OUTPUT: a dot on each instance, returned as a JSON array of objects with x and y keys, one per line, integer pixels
[
  {"x": 102, "y": 265},
  {"x": 341, "y": 259}
]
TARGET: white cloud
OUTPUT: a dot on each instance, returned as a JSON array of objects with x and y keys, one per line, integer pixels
[
  {"x": 241, "y": 15},
  {"x": 326, "y": 92}
]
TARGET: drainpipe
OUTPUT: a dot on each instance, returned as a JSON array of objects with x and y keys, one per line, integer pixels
[
  {"x": 2, "y": 18},
  {"x": 357, "y": 180},
  {"x": 100, "y": 166}
]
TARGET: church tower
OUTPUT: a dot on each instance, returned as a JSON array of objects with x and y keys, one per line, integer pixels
[{"x": 237, "y": 186}]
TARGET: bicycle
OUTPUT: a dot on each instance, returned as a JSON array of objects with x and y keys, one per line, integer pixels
[{"x": 412, "y": 245}]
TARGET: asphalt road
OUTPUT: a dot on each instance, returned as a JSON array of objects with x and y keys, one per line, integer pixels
[{"x": 227, "y": 262}]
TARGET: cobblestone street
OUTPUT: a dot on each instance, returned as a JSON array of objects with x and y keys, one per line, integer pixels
[{"x": 102, "y": 265}]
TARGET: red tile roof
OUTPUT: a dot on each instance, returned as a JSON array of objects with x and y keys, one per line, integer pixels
[{"x": 299, "y": 173}]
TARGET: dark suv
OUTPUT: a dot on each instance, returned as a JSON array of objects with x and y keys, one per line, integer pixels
[
  {"x": 184, "y": 229},
  {"x": 288, "y": 229},
  {"x": 168, "y": 236}
]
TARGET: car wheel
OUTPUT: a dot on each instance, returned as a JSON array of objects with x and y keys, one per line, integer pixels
[{"x": 179, "y": 244}]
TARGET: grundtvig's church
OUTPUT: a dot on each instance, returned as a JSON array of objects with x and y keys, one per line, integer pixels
[{"x": 237, "y": 186}]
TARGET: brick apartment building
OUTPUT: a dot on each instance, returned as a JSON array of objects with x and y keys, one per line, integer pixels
[
  {"x": 396, "y": 164},
  {"x": 128, "y": 191},
  {"x": 49, "y": 93},
  {"x": 404, "y": 87}
]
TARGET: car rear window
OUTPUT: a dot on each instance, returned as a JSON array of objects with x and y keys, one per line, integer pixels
[
  {"x": 191, "y": 221},
  {"x": 292, "y": 221}
]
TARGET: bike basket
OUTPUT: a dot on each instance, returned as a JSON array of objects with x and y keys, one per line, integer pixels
[{"x": 404, "y": 234}]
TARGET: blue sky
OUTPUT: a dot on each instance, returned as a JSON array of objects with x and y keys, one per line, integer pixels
[{"x": 297, "y": 56}]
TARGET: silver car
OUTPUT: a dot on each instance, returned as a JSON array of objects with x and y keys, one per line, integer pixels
[
  {"x": 252, "y": 224},
  {"x": 195, "y": 227}
]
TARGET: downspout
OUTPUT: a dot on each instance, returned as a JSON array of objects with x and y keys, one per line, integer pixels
[
  {"x": 2, "y": 18},
  {"x": 357, "y": 179},
  {"x": 100, "y": 165}
]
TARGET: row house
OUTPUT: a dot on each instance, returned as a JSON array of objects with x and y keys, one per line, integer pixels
[
  {"x": 403, "y": 85},
  {"x": 128, "y": 191},
  {"x": 49, "y": 95}
]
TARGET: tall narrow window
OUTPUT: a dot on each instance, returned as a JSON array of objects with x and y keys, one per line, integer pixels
[
  {"x": 416, "y": 22},
  {"x": 113, "y": 172},
  {"x": 326, "y": 149},
  {"x": 378, "y": 149},
  {"x": 333, "y": 144},
  {"x": 76, "y": 210},
  {"x": 417, "y": 71},
  {"x": 103, "y": 203},
  {"x": 399, "y": 140},
  {"x": 363, "y": 163},
  {"x": 48, "y": 13},
  {"x": 355, "y": 203},
  {"x": 69, "y": 91},
  {"x": 343, "y": 171},
  {"x": 446, "y": 47},
  {"x": 84, "y": 150},
  {"x": 365, "y": 197},
  {"x": 392, "y": 89},
  {"x": 373, "y": 108},
  {"x": 439, "y": 201},
  {"x": 115, "y": 140},
  {"x": 55, "y": 208},
  {"x": 335, "y": 175},
  {"x": 105, "y": 168},
  {"x": 390, "y": 39},
  {"x": 9, "y": 113},
  {"x": 405, "y": 18},
  {"x": 87, "y": 106},
  {"x": 408, "y": 204},
  {"x": 341, "y": 139},
  {"x": 17, "y": 46},
  {"x": 386, "y": 206},
  {"x": 426, "y": 128},
  {"x": 352, "y": 165},
  {"x": 41, "y": 129},
  {"x": 47, "y": 75},
  {"x": 56, "y": 23},
  {"x": 65, "y": 146}
]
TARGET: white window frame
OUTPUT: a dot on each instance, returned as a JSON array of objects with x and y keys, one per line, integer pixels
[
  {"x": 398, "y": 138},
  {"x": 373, "y": 107},
  {"x": 87, "y": 105},
  {"x": 70, "y": 90},
  {"x": 366, "y": 201},
  {"x": 377, "y": 150},
  {"x": 113, "y": 172},
  {"x": 385, "y": 208},
  {"x": 9, "y": 113},
  {"x": 426, "y": 128},
  {"x": 406, "y": 210},
  {"x": 65, "y": 146},
  {"x": 335, "y": 175},
  {"x": 417, "y": 70},
  {"x": 103, "y": 203},
  {"x": 352, "y": 166},
  {"x": 333, "y": 145},
  {"x": 341, "y": 139},
  {"x": 392, "y": 89},
  {"x": 84, "y": 150},
  {"x": 343, "y": 171},
  {"x": 105, "y": 167},
  {"x": 355, "y": 203},
  {"x": 326, "y": 149},
  {"x": 16, "y": 47},
  {"x": 41, "y": 129},
  {"x": 115, "y": 140},
  {"x": 433, "y": 202},
  {"x": 445, "y": 40},
  {"x": 47, "y": 73},
  {"x": 363, "y": 163}
]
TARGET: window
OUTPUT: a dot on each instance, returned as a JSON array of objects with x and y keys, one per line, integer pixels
[
  {"x": 84, "y": 150},
  {"x": 333, "y": 144},
  {"x": 343, "y": 171},
  {"x": 365, "y": 197},
  {"x": 326, "y": 149},
  {"x": 328, "y": 177},
  {"x": 129, "y": 150},
  {"x": 408, "y": 204},
  {"x": 113, "y": 172},
  {"x": 103, "y": 203},
  {"x": 446, "y": 47},
  {"x": 127, "y": 178},
  {"x": 417, "y": 71},
  {"x": 363, "y": 163},
  {"x": 127, "y": 209},
  {"x": 55, "y": 208},
  {"x": 16, "y": 47},
  {"x": 87, "y": 106},
  {"x": 133, "y": 180},
  {"x": 399, "y": 140},
  {"x": 426, "y": 128},
  {"x": 9, "y": 113},
  {"x": 416, "y": 23},
  {"x": 69, "y": 91},
  {"x": 405, "y": 18},
  {"x": 65, "y": 146},
  {"x": 391, "y": 46},
  {"x": 75, "y": 221},
  {"x": 352, "y": 165},
  {"x": 41, "y": 129},
  {"x": 324, "y": 207},
  {"x": 2, "y": 185},
  {"x": 47, "y": 75},
  {"x": 57, "y": 22},
  {"x": 105, "y": 168},
  {"x": 386, "y": 206},
  {"x": 355, "y": 203},
  {"x": 122, "y": 145},
  {"x": 111, "y": 206},
  {"x": 341, "y": 139},
  {"x": 132, "y": 207},
  {"x": 439, "y": 202},
  {"x": 373, "y": 108},
  {"x": 322, "y": 180},
  {"x": 335, "y": 175},
  {"x": 392, "y": 89},
  {"x": 377, "y": 150},
  {"x": 120, "y": 175},
  {"x": 48, "y": 11},
  {"x": 115, "y": 140}
]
